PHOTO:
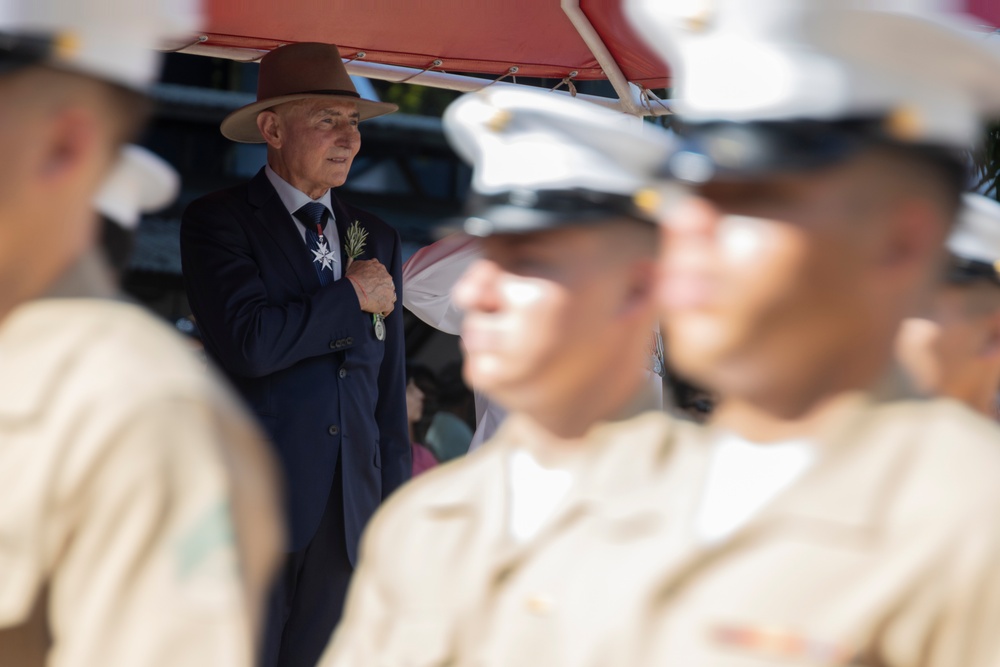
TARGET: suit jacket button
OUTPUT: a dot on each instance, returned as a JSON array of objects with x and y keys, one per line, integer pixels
[
  {"x": 334, "y": 344},
  {"x": 342, "y": 373},
  {"x": 349, "y": 341},
  {"x": 333, "y": 430}
]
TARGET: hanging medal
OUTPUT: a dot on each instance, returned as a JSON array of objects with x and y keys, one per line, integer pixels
[
  {"x": 658, "y": 362},
  {"x": 356, "y": 237},
  {"x": 323, "y": 256}
]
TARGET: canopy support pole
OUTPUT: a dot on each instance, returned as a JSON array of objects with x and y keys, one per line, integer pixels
[{"x": 630, "y": 102}]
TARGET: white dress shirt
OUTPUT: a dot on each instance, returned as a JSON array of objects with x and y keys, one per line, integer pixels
[
  {"x": 294, "y": 199},
  {"x": 744, "y": 478},
  {"x": 536, "y": 492}
]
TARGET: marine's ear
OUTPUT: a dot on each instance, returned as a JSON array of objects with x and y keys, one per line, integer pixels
[{"x": 990, "y": 341}]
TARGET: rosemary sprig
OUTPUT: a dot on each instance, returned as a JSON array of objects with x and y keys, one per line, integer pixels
[{"x": 356, "y": 237}]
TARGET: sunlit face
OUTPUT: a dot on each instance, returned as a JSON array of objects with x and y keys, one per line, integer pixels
[
  {"x": 317, "y": 140},
  {"x": 761, "y": 279},
  {"x": 544, "y": 316},
  {"x": 943, "y": 352}
]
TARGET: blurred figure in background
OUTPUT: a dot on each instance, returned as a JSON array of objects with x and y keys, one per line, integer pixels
[
  {"x": 417, "y": 379},
  {"x": 954, "y": 350},
  {"x": 827, "y": 515},
  {"x": 428, "y": 278},
  {"x": 558, "y": 312},
  {"x": 139, "y": 519},
  {"x": 449, "y": 433},
  {"x": 141, "y": 182}
]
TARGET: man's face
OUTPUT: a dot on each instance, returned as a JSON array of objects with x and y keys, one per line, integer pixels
[
  {"x": 317, "y": 142},
  {"x": 760, "y": 280},
  {"x": 414, "y": 402},
  {"x": 545, "y": 315},
  {"x": 57, "y": 149},
  {"x": 946, "y": 351}
]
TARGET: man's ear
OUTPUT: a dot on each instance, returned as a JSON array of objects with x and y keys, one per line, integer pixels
[
  {"x": 269, "y": 124},
  {"x": 990, "y": 347},
  {"x": 69, "y": 143},
  {"x": 641, "y": 287},
  {"x": 917, "y": 233}
]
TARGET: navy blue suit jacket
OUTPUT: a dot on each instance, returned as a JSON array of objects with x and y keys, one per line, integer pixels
[{"x": 305, "y": 357}]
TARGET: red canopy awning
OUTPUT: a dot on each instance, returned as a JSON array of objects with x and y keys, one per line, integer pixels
[
  {"x": 468, "y": 36},
  {"x": 576, "y": 39}
]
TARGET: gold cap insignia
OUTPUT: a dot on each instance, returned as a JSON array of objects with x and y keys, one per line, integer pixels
[
  {"x": 647, "y": 200},
  {"x": 67, "y": 45},
  {"x": 500, "y": 120},
  {"x": 905, "y": 124}
]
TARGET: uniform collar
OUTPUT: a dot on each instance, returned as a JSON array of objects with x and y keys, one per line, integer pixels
[
  {"x": 34, "y": 325},
  {"x": 293, "y": 198},
  {"x": 862, "y": 448},
  {"x": 615, "y": 457}
]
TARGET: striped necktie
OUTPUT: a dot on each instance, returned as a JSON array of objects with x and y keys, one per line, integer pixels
[{"x": 314, "y": 216}]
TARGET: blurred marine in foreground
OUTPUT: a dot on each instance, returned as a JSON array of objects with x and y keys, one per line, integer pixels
[
  {"x": 138, "y": 507},
  {"x": 827, "y": 516},
  {"x": 558, "y": 314},
  {"x": 953, "y": 349}
]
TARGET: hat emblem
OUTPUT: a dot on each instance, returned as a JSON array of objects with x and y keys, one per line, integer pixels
[
  {"x": 647, "y": 200},
  {"x": 499, "y": 121},
  {"x": 699, "y": 15},
  {"x": 67, "y": 45},
  {"x": 905, "y": 124}
]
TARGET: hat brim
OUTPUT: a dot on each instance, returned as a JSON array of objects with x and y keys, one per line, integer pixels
[{"x": 241, "y": 125}]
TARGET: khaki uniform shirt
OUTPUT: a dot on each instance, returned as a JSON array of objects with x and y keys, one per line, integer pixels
[
  {"x": 139, "y": 519},
  {"x": 885, "y": 553},
  {"x": 437, "y": 559}
]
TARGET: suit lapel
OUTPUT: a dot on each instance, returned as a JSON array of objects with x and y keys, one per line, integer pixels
[{"x": 278, "y": 223}]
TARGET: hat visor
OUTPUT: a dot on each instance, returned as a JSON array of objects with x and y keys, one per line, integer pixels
[
  {"x": 506, "y": 219},
  {"x": 241, "y": 125},
  {"x": 738, "y": 151}
]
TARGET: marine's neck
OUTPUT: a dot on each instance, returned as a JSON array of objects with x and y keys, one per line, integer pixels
[
  {"x": 799, "y": 407},
  {"x": 566, "y": 427},
  {"x": 981, "y": 393}
]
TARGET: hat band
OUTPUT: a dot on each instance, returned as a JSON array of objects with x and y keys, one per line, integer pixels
[
  {"x": 728, "y": 149},
  {"x": 23, "y": 50},
  {"x": 962, "y": 271},
  {"x": 332, "y": 91},
  {"x": 576, "y": 202}
]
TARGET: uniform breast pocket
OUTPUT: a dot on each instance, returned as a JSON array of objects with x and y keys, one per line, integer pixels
[{"x": 419, "y": 642}]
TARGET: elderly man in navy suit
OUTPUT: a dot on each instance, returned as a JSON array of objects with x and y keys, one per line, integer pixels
[{"x": 297, "y": 308}]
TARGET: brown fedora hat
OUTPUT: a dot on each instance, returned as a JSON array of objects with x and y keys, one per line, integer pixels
[{"x": 298, "y": 72}]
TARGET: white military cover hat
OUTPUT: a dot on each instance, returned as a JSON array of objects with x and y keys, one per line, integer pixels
[
  {"x": 141, "y": 182},
  {"x": 114, "y": 40},
  {"x": 787, "y": 84},
  {"x": 974, "y": 244},
  {"x": 541, "y": 160}
]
